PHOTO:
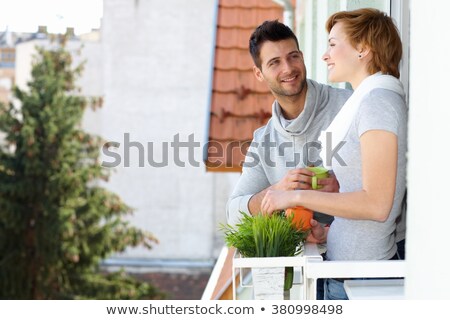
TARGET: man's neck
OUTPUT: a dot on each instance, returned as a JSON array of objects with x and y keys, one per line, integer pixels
[{"x": 291, "y": 107}]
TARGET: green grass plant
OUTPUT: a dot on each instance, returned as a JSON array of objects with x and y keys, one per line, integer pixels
[{"x": 265, "y": 236}]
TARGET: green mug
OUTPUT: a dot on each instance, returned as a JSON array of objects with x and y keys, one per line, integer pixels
[{"x": 320, "y": 173}]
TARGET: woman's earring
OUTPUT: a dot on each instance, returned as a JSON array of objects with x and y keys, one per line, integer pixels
[{"x": 360, "y": 56}]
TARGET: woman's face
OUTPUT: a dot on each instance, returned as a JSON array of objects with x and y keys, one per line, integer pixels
[{"x": 342, "y": 58}]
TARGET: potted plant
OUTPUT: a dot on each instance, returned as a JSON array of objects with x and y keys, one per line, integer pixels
[{"x": 267, "y": 236}]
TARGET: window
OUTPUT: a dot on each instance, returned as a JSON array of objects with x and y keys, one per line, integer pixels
[{"x": 311, "y": 16}]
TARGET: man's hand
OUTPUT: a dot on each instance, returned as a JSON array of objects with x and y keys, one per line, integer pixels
[
  {"x": 300, "y": 179},
  {"x": 295, "y": 179},
  {"x": 318, "y": 233},
  {"x": 329, "y": 184}
]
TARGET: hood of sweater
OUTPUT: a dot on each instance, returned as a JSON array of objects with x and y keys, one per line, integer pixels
[{"x": 300, "y": 124}]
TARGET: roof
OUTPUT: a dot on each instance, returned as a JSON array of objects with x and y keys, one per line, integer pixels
[
  {"x": 9, "y": 39},
  {"x": 239, "y": 102}
]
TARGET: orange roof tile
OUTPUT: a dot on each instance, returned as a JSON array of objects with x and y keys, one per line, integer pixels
[{"x": 239, "y": 102}]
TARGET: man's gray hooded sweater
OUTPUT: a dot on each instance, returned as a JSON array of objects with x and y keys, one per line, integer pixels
[{"x": 276, "y": 149}]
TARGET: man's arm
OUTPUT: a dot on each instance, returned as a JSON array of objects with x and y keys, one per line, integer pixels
[
  {"x": 249, "y": 184},
  {"x": 254, "y": 204}
]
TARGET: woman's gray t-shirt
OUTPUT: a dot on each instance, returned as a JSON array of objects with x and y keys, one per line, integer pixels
[{"x": 351, "y": 239}]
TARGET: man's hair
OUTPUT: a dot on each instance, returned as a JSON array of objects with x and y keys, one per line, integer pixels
[
  {"x": 375, "y": 30},
  {"x": 268, "y": 31}
]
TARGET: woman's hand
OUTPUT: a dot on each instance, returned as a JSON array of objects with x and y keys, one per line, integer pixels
[{"x": 278, "y": 200}]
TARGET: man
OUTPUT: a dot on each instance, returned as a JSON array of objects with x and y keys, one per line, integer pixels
[{"x": 288, "y": 143}]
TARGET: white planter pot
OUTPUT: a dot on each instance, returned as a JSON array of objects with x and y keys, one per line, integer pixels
[{"x": 268, "y": 283}]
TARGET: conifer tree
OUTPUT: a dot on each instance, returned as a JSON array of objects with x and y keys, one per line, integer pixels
[{"x": 56, "y": 221}]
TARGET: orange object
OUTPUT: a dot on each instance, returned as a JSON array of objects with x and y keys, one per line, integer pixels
[{"x": 302, "y": 217}]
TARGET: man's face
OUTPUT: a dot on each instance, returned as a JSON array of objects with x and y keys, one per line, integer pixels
[{"x": 282, "y": 67}]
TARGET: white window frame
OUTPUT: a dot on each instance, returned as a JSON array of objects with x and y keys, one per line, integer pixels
[
  {"x": 398, "y": 10},
  {"x": 400, "y": 14}
]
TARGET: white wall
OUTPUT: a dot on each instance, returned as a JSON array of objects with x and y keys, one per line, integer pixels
[
  {"x": 88, "y": 51},
  {"x": 24, "y": 57},
  {"x": 428, "y": 220},
  {"x": 91, "y": 81},
  {"x": 157, "y": 60}
]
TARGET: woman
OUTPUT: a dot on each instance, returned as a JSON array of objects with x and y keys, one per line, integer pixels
[{"x": 369, "y": 139}]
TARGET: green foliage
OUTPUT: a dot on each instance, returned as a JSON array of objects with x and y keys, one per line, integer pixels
[
  {"x": 56, "y": 221},
  {"x": 265, "y": 236}
]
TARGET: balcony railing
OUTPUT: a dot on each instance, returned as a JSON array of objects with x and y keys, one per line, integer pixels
[{"x": 386, "y": 276}]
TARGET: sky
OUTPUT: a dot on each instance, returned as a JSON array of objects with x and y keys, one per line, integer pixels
[{"x": 27, "y": 15}]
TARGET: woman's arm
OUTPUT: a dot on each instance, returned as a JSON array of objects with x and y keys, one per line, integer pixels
[{"x": 373, "y": 202}]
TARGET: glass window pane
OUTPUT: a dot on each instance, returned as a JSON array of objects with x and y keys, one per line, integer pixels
[
  {"x": 313, "y": 38},
  {"x": 382, "y": 5}
]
